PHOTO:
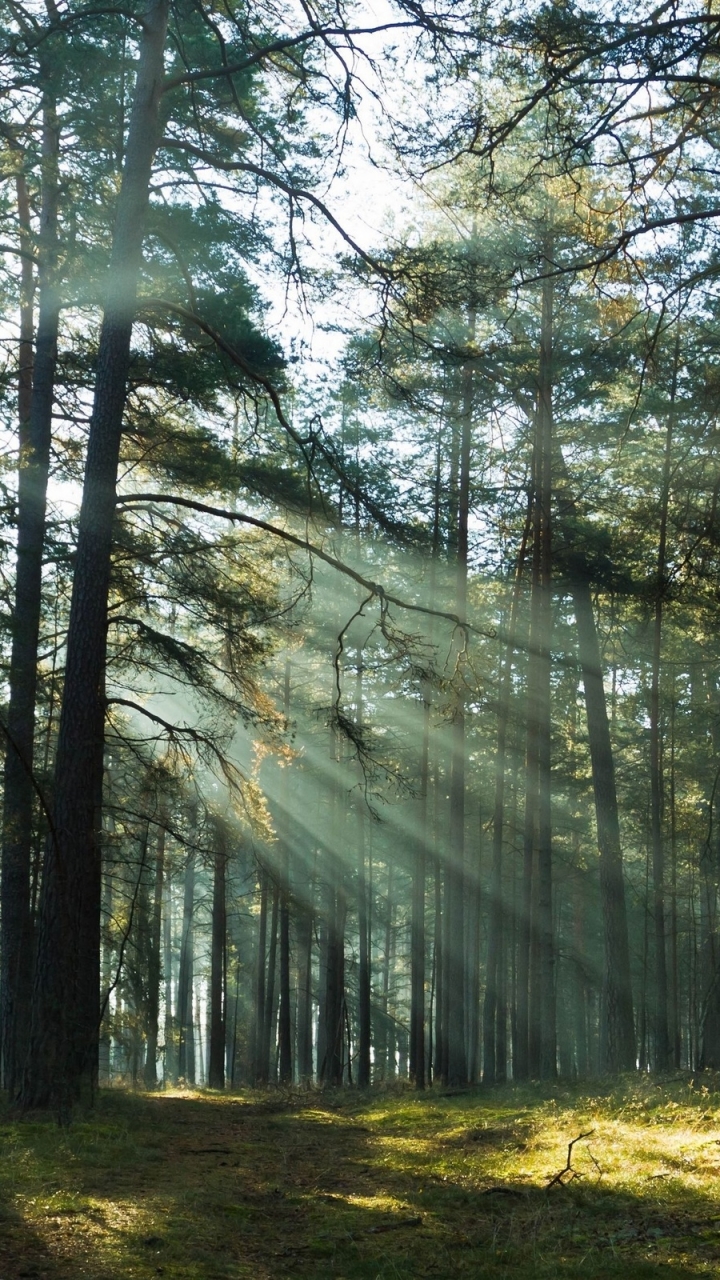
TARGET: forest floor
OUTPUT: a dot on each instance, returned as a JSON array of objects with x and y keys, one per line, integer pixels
[{"x": 195, "y": 1186}]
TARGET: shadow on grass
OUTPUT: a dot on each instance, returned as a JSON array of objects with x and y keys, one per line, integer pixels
[
  {"x": 218, "y": 1188},
  {"x": 23, "y": 1253}
]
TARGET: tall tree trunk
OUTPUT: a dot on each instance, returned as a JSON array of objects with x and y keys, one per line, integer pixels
[
  {"x": 304, "y": 934},
  {"x": 431, "y": 850},
  {"x": 522, "y": 1064},
  {"x": 269, "y": 1018},
  {"x": 660, "y": 1001},
  {"x": 137, "y": 954},
  {"x": 171, "y": 1041},
  {"x": 692, "y": 967},
  {"x": 364, "y": 984},
  {"x": 233, "y": 1026},
  {"x": 385, "y": 1044},
  {"x": 617, "y": 1032},
  {"x": 546, "y": 947},
  {"x": 473, "y": 910},
  {"x": 643, "y": 1055},
  {"x": 438, "y": 965},
  {"x": 259, "y": 1057},
  {"x": 335, "y": 988},
  {"x": 186, "y": 1022},
  {"x": 579, "y": 974},
  {"x": 35, "y": 433},
  {"x": 200, "y": 1054},
  {"x": 507, "y": 989},
  {"x": 391, "y": 1063},
  {"x": 674, "y": 1019},
  {"x": 284, "y": 1020},
  {"x": 105, "y": 976},
  {"x": 218, "y": 949},
  {"x": 62, "y": 1062},
  {"x": 106, "y": 964},
  {"x": 332, "y": 972},
  {"x": 456, "y": 1066},
  {"x": 707, "y": 969},
  {"x": 494, "y": 966},
  {"x": 364, "y": 1020},
  {"x": 47, "y": 244},
  {"x": 660, "y": 994},
  {"x": 154, "y": 963},
  {"x": 322, "y": 986},
  {"x": 417, "y": 921},
  {"x": 330, "y": 1009}
]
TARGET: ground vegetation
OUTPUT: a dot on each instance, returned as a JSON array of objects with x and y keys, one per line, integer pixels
[{"x": 359, "y": 611}]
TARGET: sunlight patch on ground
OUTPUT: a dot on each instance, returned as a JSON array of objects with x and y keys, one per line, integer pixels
[{"x": 269, "y": 1185}]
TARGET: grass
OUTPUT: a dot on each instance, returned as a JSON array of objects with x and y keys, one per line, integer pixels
[{"x": 194, "y": 1186}]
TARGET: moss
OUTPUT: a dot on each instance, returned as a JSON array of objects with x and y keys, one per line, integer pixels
[{"x": 204, "y": 1187}]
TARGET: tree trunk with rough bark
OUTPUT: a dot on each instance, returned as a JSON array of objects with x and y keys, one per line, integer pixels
[
  {"x": 660, "y": 995},
  {"x": 259, "y": 1058},
  {"x": 364, "y": 1019},
  {"x": 284, "y": 1019},
  {"x": 185, "y": 1018},
  {"x": 36, "y": 383},
  {"x": 455, "y": 1067},
  {"x": 268, "y": 1044},
  {"x": 438, "y": 963},
  {"x": 545, "y": 936},
  {"x": 417, "y": 922},
  {"x": 171, "y": 1039},
  {"x": 304, "y": 938},
  {"x": 617, "y": 1031},
  {"x": 155, "y": 964},
  {"x": 494, "y": 1011},
  {"x": 334, "y": 1066},
  {"x": 218, "y": 950},
  {"x": 525, "y": 1062},
  {"x": 674, "y": 1011},
  {"x": 62, "y": 1062}
]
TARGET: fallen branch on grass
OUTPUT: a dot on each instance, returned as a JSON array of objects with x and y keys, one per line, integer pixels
[{"x": 559, "y": 1179}]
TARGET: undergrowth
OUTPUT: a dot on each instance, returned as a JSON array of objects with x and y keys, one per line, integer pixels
[{"x": 195, "y": 1186}]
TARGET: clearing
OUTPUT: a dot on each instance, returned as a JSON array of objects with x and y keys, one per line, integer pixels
[{"x": 194, "y": 1186}]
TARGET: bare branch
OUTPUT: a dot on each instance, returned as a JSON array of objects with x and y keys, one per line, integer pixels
[
  {"x": 280, "y": 46},
  {"x": 295, "y": 193},
  {"x": 375, "y": 588}
]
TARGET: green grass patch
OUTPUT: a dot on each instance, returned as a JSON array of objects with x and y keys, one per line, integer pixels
[{"x": 347, "y": 1187}]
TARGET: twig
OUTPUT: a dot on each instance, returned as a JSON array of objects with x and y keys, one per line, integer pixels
[{"x": 558, "y": 1179}]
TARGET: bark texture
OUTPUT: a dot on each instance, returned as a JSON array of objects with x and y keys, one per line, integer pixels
[
  {"x": 62, "y": 1063},
  {"x": 216, "y": 1063},
  {"x": 154, "y": 964},
  {"x": 494, "y": 1006},
  {"x": 617, "y": 1033},
  {"x": 35, "y": 405}
]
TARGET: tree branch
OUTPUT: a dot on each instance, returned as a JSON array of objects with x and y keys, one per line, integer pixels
[
  {"x": 279, "y": 46},
  {"x": 375, "y": 588},
  {"x": 295, "y": 193},
  {"x": 261, "y": 380}
]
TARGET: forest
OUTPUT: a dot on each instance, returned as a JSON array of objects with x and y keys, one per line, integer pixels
[{"x": 359, "y": 607}]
